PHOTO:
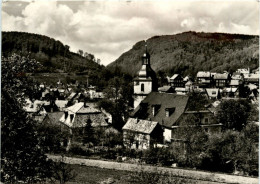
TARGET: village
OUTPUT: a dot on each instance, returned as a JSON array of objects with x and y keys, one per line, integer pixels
[
  {"x": 157, "y": 117},
  {"x": 141, "y": 92}
]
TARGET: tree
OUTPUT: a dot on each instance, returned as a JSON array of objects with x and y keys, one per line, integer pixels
[
  {"x": 88, "y": 133},
  {"x": 118, "y": 99},
  {"x": 233, "y": 151},
  {"x": 22, "y": 153},
  {"x": 233, "y": 114},
  {"x": 190, "y": 150},
  {"x": 197, "y": 101},
  {"x": 62, "y": 171},
  {"x": 80, "y": 52}
]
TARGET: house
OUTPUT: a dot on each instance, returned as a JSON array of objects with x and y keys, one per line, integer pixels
[
  {"x": 166, "y": 89},
  {"x": 181, "y": 91},
  {"x": 141, "y": 134},
  {"x": 76, "y": 116},
  {"x": 186, "y": 79},
  {"x": 204, "y": 79},
  {"x": 176, "y": 81},
  {"x": 221, "y": 80},
  {"x": 252, "y": 79},
  {"x": 61, "y": 104},
  {"x": 238, "y": 76},
  {"x": 213, "y": 93},
  {"x": 230, "y": 92},
  {"x": 52, "y": 119},
  {"x": 189, "y": 86},
  {"x": 164, "y": 108},
  {"x": 205, "y": 120},
  {"x": 35, "y": 109},
  {"x": 244, "y": 71},
  {"x": 234, "y": 83}
]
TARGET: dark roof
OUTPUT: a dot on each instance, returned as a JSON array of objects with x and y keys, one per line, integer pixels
[
  {"x": 53, "y": 118},
  {"x": 165, "y": 100}
]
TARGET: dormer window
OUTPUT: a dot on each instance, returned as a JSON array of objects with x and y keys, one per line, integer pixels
[
  {"x": 155, "y": 109},
  {"x": 71, "y": 117},
  {"x": 169, "y": 111},
  {"x": 66, "y": 114}
]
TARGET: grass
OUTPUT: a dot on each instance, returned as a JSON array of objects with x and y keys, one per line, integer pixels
[{"x": 94, "y": 175}]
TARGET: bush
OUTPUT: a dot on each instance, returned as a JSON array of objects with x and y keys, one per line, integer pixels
[
  {"x": 77, "y": 150},
  {"x": 160, "y": 156},
  {"x": 110, "y": 154}
]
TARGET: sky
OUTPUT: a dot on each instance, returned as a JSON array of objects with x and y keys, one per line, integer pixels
[{"x": 107, "y": 29}]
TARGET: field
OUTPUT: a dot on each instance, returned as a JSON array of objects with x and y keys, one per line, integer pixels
[{"x": 94, "y": 175}]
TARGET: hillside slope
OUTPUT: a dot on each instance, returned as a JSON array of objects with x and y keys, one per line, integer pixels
[
  {"x": 52, "y": 54},
  {"x": 189, "y": 52}
]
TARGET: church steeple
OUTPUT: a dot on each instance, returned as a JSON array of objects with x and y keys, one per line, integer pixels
[
  {"x": 146, "y": 56},
  {"x": 146, "y": 81}
]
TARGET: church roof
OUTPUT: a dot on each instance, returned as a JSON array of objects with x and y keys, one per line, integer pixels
[{"x": 146, "y": 72}]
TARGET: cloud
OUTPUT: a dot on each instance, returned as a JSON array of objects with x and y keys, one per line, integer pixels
[{"x": 109, "y": 28}]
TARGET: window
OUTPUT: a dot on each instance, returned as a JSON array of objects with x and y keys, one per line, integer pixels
[
  {"x": 206, "y": 120},
  {"x": 71, "y": 117},
  {"x": 167, "y": 113},
  {"x": 66, "y": 114},
  {"x": 142, "y": 87}
]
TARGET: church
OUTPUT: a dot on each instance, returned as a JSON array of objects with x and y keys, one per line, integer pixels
[{"x": 146, "y": 81}]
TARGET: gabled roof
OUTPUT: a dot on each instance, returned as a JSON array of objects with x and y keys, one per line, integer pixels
[
  {"x": 72, "y": 95},
  {"x": 53, "y": 118},
  {"x": 203, "y": 74},
  {"x": 79, "y": 108},
  {"x": 78, "y": 115},
  {"x": 174, "y": 76},
  {"x": 252, "y": 86},
  {"x": 212, "y": 92},
  {"x": 166, "y": 100},
  {"x": 164, "y": 88},
  {"x": 188, "y": 83},
  {"x": 61, "y": 103},
  {"x": 186, "y": 78},
  {"x": 36, "y": 106},
  {"x": 139, "y": 125},
  {"x": 221, "y": 76}
]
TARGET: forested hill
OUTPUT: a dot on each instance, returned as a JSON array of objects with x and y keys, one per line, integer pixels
[
  {"x": 52, "y": 54},
  {"x": 189, "y": 52}
]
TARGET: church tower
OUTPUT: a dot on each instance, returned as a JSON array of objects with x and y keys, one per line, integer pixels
[{"x": 146, "y": 81}]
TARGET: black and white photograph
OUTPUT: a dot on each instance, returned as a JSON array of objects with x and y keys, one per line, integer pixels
[{"x": 129, "y": 92}]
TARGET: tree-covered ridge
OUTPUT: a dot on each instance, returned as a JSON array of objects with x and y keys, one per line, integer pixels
[
  {"x": 189, "y": 52},
  {"x": 52, "y": 54}
]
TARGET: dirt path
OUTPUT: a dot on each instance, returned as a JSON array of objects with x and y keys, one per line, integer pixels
[{"x": 196, "y": 175}]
